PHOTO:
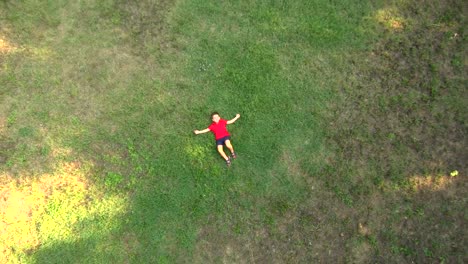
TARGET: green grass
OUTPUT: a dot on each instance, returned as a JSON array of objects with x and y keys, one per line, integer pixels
[{"x": 337, "y": 101}]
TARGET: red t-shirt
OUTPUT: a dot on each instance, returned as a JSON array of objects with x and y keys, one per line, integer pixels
[{"x": 219, "y": 130}]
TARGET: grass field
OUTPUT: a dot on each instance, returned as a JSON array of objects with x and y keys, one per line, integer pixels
[{"x": 351, "y": 142}]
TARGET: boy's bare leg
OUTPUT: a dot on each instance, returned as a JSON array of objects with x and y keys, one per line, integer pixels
[
  {"x": 221, "y": 152},
  {"x": 229, "y": 146}
]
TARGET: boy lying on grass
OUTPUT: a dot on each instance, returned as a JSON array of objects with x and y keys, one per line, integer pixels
[{"x": 222, "y": 137}]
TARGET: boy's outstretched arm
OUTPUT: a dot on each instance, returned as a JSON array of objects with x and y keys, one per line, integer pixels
[
  {"x": 196, "y": 132},
  {"x": 234, "y": 119}
]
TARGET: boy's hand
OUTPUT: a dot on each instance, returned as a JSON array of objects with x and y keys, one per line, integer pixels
[
  {"x": 196, "y": 132},
  {"x": 238, "y": 115}
]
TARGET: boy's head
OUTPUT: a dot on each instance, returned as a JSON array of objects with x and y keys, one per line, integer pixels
[{"x": 215, "y": 117}]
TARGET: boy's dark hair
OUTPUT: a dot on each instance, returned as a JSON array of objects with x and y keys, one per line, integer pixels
[{"x": 212, "y": 114}]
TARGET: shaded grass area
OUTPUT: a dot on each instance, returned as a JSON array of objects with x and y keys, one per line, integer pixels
[
  {"x": 99, "y": 99},
  {"x": 401, "y": 128},
  {"x": 412, "y": 87}
]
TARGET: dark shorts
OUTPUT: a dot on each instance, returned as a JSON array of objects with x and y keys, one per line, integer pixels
[{"x": 221, "y": 141}]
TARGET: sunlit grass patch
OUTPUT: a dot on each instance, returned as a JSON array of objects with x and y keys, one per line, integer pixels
[
  {"x": 17, "y": 230},
  {"x": 24, "y": 202},
  {"x": 9, "y": 48},
  {"x": 390, "y": 18},
  {"x": 431, "y": 183},
  {"x": 52, "y": 208},
  {"x": 43, "y": 53},
  {"x": 5, "y": 46}
]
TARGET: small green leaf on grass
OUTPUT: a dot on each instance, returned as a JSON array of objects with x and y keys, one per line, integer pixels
[{"x": 454, "y": 173}]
